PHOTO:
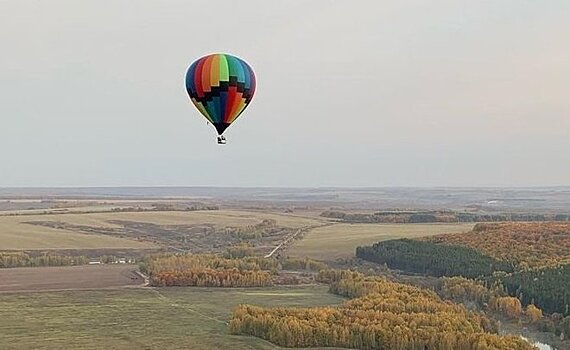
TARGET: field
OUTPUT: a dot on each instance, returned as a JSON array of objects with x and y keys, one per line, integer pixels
[
  {"x": 107, "y": 307},
  {"x": 33, "y": 232},
  {"x": 212, "y": 217},
  {"x": 15, "y": 234},
  {"x": 140, "y": 318},
  {"x": 340, "y": 240},
  {"x": 67, "y": 277}
]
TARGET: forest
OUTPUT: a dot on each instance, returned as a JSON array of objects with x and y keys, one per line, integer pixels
[
  {"x": 523, "y": 269},
  {"x": 540, "y": 253},
  {"x": 465, "y": 290},
  {"x": 399, "y": 216},
  {"x": 523, "y": 244},
  {"x": 208, "y": 277},
  {"x": 547, "y": 288},
  {"x": 432, "y": 259},
  {"x": 235, "y": 269},
  {"x": 496, "y": 300},
  {"x": 207, "y": 270},
  {"x": 381, "y": 315}
]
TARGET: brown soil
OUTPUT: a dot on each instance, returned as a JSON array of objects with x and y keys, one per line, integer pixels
[{"x": 68, "y": 277}]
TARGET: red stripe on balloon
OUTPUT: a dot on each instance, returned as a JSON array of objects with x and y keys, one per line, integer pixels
[
  {"x": 198, "y": 78},
  {"x": 230, "y": 102}
]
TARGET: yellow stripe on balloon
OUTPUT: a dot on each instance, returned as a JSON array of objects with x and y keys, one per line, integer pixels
[{"x": 215, "y": 71}]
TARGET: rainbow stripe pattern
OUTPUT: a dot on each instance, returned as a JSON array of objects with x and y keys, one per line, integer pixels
[{"x": 220, "y": 86}]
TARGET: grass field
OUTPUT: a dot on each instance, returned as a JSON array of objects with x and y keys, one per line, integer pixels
[
  {"x": 140, "y": 318},
  {"x": 16, "y": 234},
  {"x": 340, "y": 240}
]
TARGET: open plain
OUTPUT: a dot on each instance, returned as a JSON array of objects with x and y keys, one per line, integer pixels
[{"x": 141, "y": 318}]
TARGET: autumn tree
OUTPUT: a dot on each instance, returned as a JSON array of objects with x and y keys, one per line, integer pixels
[
  {"x": 508, "y": 306},
  {"x": 533, "y": 313},
  {"x": 381, "y": 315}
]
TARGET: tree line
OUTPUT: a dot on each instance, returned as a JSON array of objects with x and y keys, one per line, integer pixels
[
  {"x": 234, "y": 269},
  {"x": 438, "y": 216},
  {"x": 21, "y": 259},
  {"x": 207, "y": 277},
  {"x": 207, "y": 270}
]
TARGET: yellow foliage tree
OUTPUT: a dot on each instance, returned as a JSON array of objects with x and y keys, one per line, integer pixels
[
  {"x": 508, "y": 306},
  {"x": 533, "y": 313}
]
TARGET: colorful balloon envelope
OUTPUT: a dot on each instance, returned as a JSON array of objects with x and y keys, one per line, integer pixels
[{"x": 221, "y": 86}]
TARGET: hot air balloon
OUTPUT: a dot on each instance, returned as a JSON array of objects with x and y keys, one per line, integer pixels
[{"x": 221, "y": 86}]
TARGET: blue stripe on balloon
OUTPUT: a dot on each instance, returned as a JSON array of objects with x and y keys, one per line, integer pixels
[
  {"x": 190, "y": 78},
  {"x": 211, "y": 112},
  {"x": 216, "y": 103},
  {"x": 223, "y": 100},
  {"x": 247, "y": 74}
]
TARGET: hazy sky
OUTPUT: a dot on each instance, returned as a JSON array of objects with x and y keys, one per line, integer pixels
[{"x": 350, "y": 93}]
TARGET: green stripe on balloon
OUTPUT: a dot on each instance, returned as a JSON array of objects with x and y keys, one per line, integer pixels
[
  {"x": 236, "y": 69},
  {"x": 224, "y": 71}
]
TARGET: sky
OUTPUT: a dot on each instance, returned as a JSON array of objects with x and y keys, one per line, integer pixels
[{"x": 350, "y": 93}]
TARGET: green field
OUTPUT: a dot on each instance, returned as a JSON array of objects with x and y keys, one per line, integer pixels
[
  {"x": 16, "y": 234},
  {"x": 140, "y": 318},
  {"x": 340, "y": 240}
]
